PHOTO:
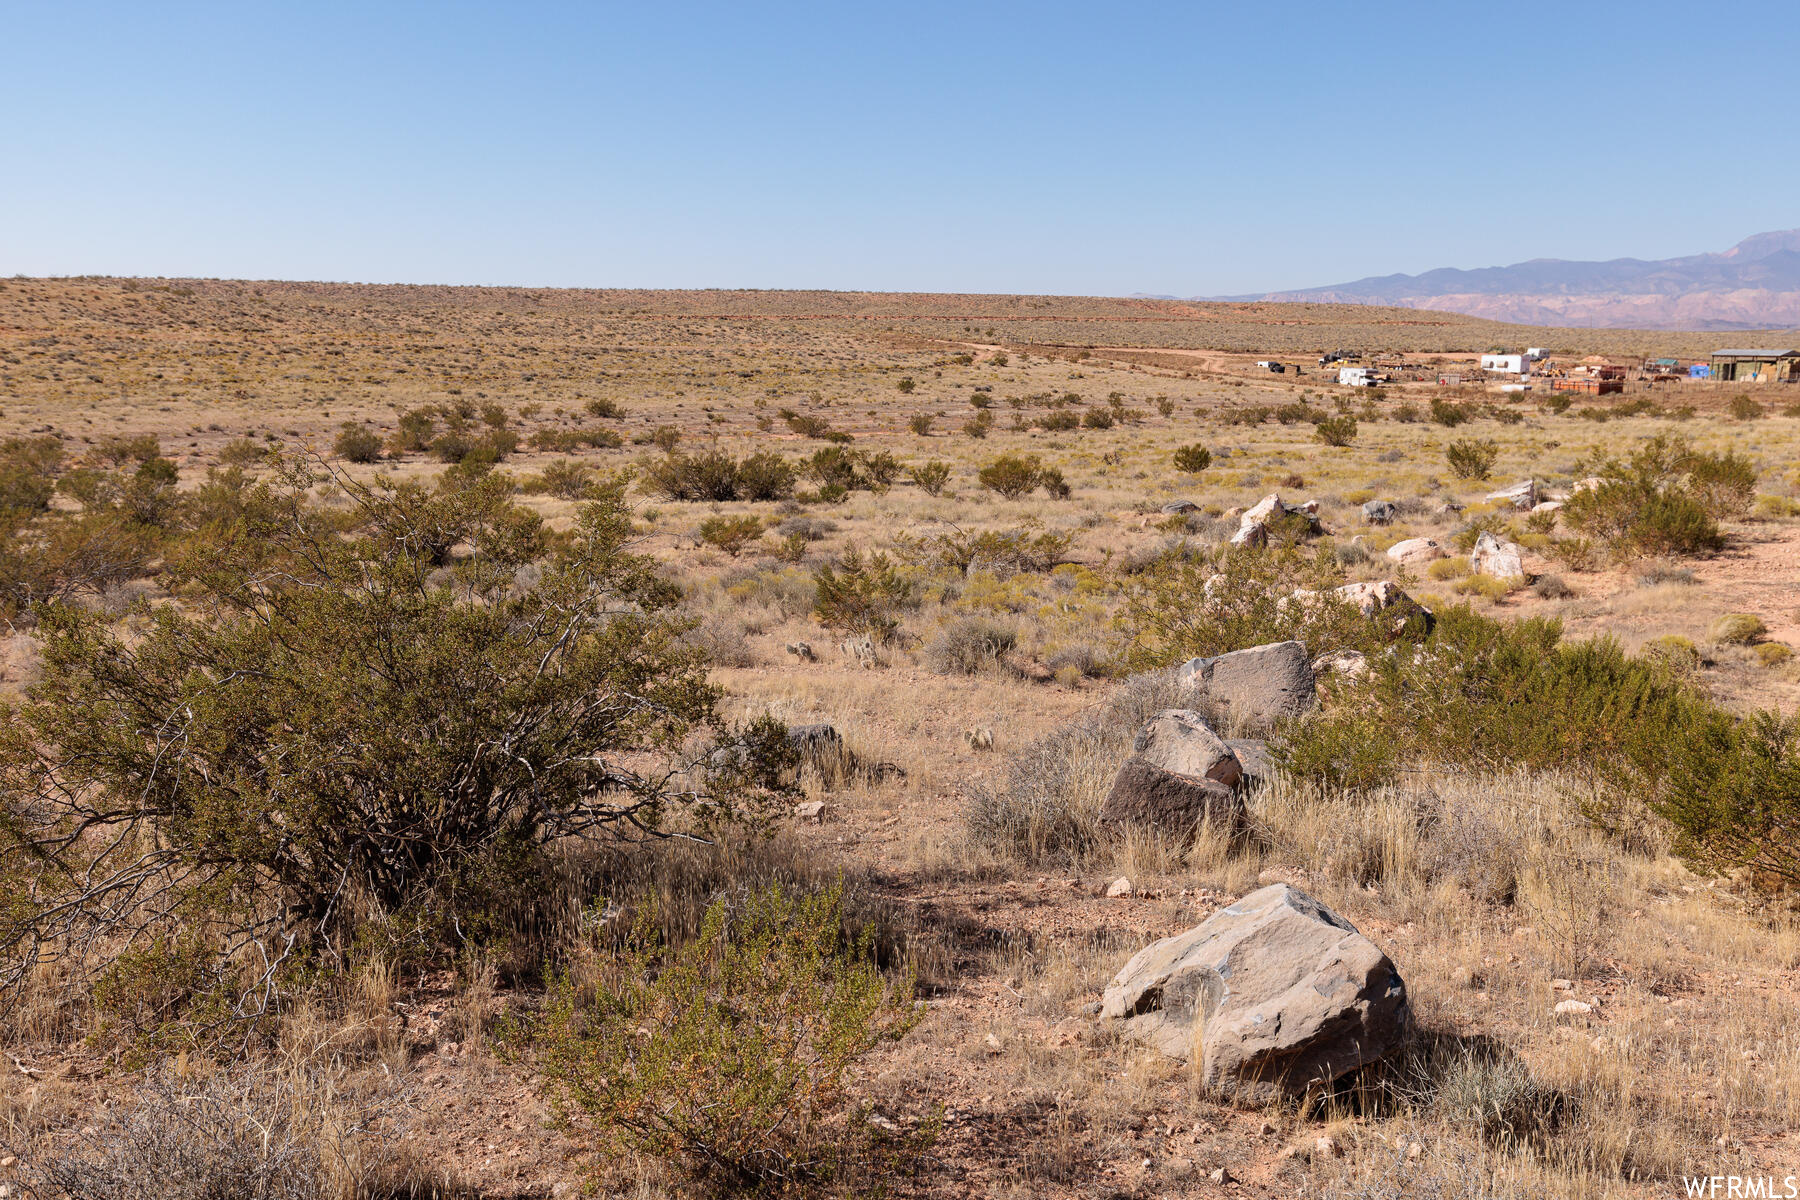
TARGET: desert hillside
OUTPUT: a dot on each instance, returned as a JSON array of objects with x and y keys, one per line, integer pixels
[{"x": 491, "y": 742}]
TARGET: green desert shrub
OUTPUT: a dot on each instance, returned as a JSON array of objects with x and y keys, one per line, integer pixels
[
  {"x": 341, "y": 677},
  {"x": 730, "y": 1054},
  {"x": 604, "y": 407},
  {"x": 1192, "y": 459},
  {"x": 930, "y": 477},
  {"x": 1001, "y": 551},
  {"x": 1336, "y": 431},
  {"x": 1472, "y": 458},
  {"x": 568, "y": 441},
  {"x": 243, "y": 452},
  {"x": 1450, "y": 414},
  {"x": 415, "y": 431},
  {"x": 765, "y": 476},
  {"x": 357, "y": 443},
  {"x": 730, "y": 534},
  {"x": 1647, "y": 505},
  {"x": 1013, "y": 475},
  {"x": 1774, "y": 654},
  {"x": 1486, "y": 691},
  {"x": 1744, "y": 408},
  {"x": 566, "y": 478},
  {"x": 861, "y": 594},
  {"x": 1231, "y": 599}
]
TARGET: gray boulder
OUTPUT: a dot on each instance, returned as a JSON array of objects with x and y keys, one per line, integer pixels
[
  {"x": 1179, "y": 741},
  {"x": 1254, "y": 759},
  {"x": 1276, "y": 996},
  {"x": 1179, "y": 507},
  {"x": 1180, "y": 774},
  {"x": 1519, "y": 495},
  {"x": 1261, "y": 684},
  {"x": 1174, "y": 805},
  {"x": 1380, "y": 512},
  {"x": 1497, "y": 557}
]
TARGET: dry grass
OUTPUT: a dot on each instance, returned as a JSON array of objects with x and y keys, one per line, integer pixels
[{"x": 1483, "y": 889}]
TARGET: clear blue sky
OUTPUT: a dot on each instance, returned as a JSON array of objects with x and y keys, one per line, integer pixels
[{"x": 1047, "y": 147}]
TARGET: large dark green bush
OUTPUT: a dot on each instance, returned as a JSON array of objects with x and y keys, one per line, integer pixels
[
  {"x": 1500, "y": 694},
  {"x": 861, "y": 594},
  {"x": 1662, "y": 499},
  {"x": 356, "y": 709}
]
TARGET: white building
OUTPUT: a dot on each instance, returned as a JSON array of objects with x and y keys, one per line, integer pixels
[
  {"x": 1357, "y": 376},
  {"x": 1505, "y": 364},
  {"x": 1536, "y": 354}
]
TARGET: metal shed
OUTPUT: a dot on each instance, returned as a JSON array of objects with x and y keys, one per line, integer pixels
[{"x": 1756, "y": 366}]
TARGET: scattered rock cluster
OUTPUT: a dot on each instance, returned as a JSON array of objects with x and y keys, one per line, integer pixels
[{"x": 1253, "y": 526}]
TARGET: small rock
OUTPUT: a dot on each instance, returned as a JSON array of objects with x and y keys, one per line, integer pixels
[
  {"x": 1119, "y": 887},
  {"x": 1180, "y": 507},
  {"x": 1562, "y": 985},
  {"x": 1379, "y": 512},
  {"x": 810, "y": 810},
  {"x": 1221, "y": 1175},
  {"x": 1573, "y": 1008},
  {"x": 992, "y": 1044},
  {"x": 1326, "y": 1146},
  {"x": 1414, "y": 1151},
  {"x": 1265, "y": 1129}
]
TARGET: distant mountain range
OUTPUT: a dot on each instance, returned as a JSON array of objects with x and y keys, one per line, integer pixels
[{"x": 1753, "y": 285}]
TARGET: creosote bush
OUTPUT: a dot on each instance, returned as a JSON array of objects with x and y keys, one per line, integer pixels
[
  {"x": 729, "y": 1054},
  {"x": 930, "y": 477},
  {"x": 1665, "y": 498},
  {"x": 1472, "y": 458},
  {"x": 1013, "y": 475},
  {"x": 357, "y": 443},
  {"x": 1192, "y": 459},
  {"x": 1335, "y": 431},
  {"x": 311, "y": 736},
  {"x": 861, "y": 594}
]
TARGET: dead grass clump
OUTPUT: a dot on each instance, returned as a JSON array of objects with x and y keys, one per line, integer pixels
[
  {"x": 969, "y": 646},
  {"x": 239, "y": 1132},
  {"x": 1048, "y": 807}
]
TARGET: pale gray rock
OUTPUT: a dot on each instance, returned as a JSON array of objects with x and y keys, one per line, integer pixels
[{"x": 1274, "y": 996}]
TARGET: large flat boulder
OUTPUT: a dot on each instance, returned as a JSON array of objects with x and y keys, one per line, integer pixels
[
  {"x": 1415, "y": 552},
  {"x": 1263, "y": 683},
  {"x": 1274, "y": 996}
]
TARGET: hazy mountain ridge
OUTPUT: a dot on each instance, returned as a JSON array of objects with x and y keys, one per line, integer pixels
[{"x": 1753, "y": 285}]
